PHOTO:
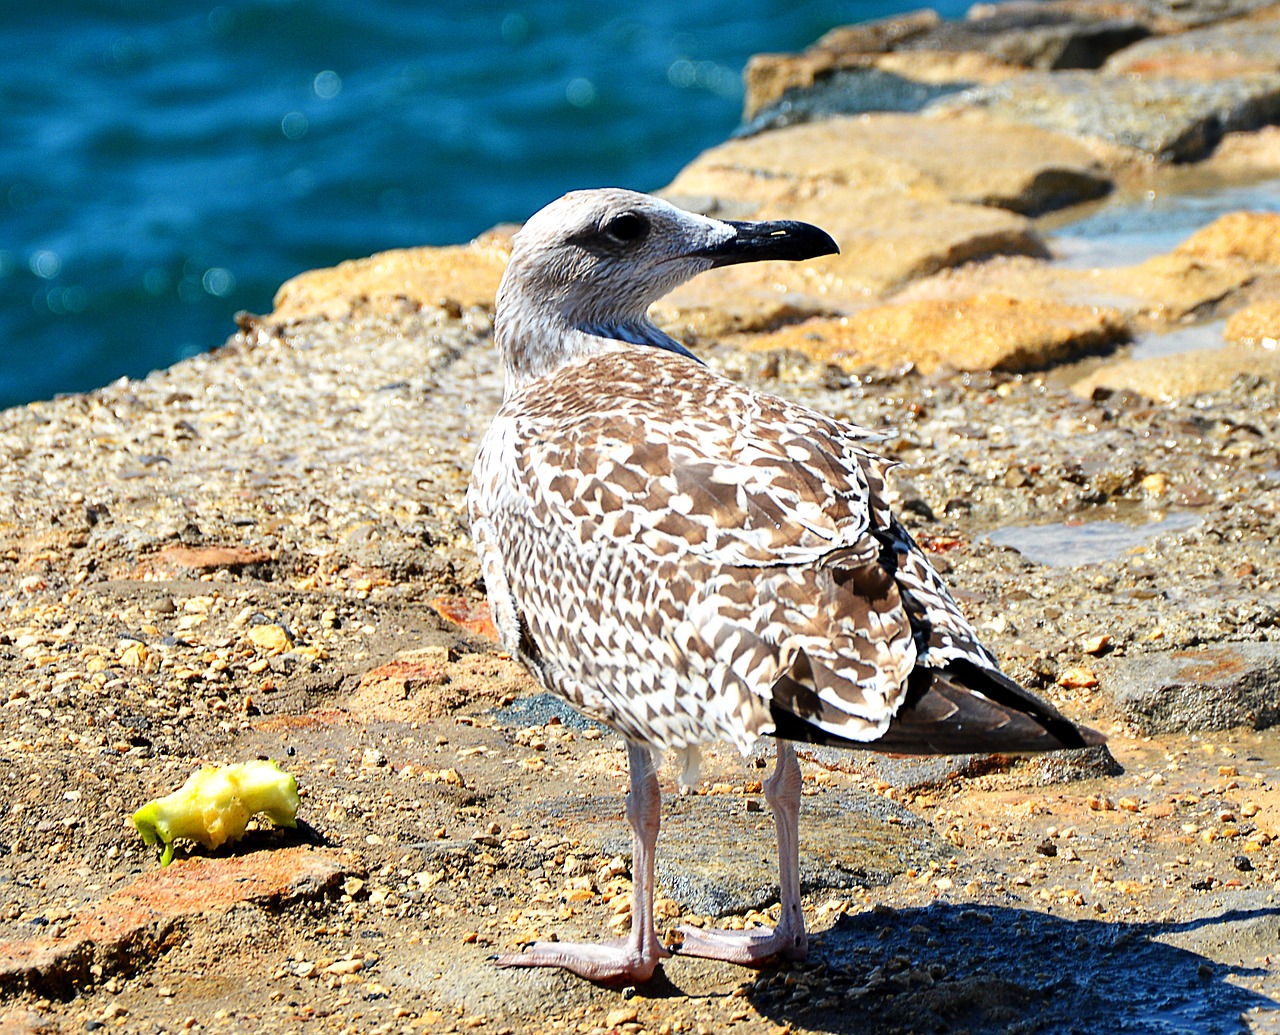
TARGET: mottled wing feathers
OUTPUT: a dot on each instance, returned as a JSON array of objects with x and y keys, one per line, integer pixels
[
  {"x": 688, "y": 560},
  {"x": 943, "y": 634},
  {"x": 768, "y": 483},
  {"x": 749, "y": 517}
]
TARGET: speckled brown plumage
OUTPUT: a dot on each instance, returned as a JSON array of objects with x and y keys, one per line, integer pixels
[{"x": 689, "y": 560}]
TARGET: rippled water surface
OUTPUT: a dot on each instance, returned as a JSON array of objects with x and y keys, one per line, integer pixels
[{"x": 164, "y": 163}]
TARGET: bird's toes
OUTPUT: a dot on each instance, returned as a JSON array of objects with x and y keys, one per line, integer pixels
[{"x": 746, "y": 948}]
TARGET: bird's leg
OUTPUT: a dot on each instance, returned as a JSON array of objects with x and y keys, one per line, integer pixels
[
  {"x": 633, "y": 959},
  {"x": 788, "y": 939}
]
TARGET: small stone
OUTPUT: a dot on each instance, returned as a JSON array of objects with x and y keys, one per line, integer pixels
[
  {"x": 620, "y": 1015},
  {"x": 1155, "y": 484},
  {"x": 1095, "y": 644},
  {"x": 1077, "y": 677},
  {"x": 134, "y": 656},
  {"x": 273, "y": 639}
]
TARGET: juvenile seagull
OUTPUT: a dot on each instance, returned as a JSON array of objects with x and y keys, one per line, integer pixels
[{"x": 687, "y": 560}]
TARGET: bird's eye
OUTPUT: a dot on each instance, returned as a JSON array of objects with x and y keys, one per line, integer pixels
[{"x": 626, "y": 228}]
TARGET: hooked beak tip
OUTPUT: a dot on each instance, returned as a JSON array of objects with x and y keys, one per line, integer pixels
[{"x": 786, "y": 239}]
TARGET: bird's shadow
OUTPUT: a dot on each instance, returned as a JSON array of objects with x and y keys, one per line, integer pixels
[{"x": 988, "y": 969}]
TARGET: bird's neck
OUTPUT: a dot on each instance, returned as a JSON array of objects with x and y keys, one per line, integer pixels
[{"x": 536, "y": 347}]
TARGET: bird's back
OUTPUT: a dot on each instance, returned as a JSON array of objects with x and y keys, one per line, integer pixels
[{"x": 689, "y": 560}]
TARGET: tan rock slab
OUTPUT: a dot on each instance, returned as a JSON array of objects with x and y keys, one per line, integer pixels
[
  {"x": 455, "y": 277},
  {"x": 138, "y": 922},
  {"x": 1163, "y": 289},
  {"x": 987, "y": 332},
  {"x": 960, "y": 158},
  {"x": 1173, "y": 286},
  {"x": 1256, "y": 324},
  {"x": 1249, "y": 236},
  {"x": 1246, "y": 156},
  {"x": 1212, "y": 52},
  {"x": 1186, "y": 374},
  {"x": 886, "y": 239}
]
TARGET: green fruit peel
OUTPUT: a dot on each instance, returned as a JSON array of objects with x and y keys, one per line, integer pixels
[{"x": 215, "y": 804}]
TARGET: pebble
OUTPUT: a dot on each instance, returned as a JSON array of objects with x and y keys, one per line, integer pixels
[
  {"x": 273, "y": 639},
  {"x": 621, "y": 1015},
  {"x": 348, "y": 966},
  {"x": 1077, "y": 677}
]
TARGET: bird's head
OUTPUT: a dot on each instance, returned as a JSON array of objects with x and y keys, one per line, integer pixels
[{"x": 592, "y": 262}]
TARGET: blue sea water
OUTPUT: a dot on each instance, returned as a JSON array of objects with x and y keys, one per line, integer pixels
[{"x": 165, "y": 163}]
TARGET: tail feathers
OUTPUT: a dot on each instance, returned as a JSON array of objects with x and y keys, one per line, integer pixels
[{"x": 961, "y": 709}]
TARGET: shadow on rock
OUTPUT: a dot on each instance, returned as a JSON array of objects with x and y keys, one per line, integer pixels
[{"x": 945, "y": 968}]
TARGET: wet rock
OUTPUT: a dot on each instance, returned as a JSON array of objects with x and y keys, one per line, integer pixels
[
  {"x": 1216, "y": 688},
  {"x": 1251, "y": 237},
  {"x": 987, "y": 332},
  {"x": 1164, "y": 289},
  {"x": 1181, "y": 376},
  {"x": 135, "y": 924},
  {"x": 1078, "y": 543},
  {"x": 1257, "y": 324},
  {"x": 1169, "y": 119},
  {"x": 1117, "y": 975},
  {"x": 1213, "y": 52},
  {"x": 1174, "y": 286},
  {"x": 1246, "y": 156}
]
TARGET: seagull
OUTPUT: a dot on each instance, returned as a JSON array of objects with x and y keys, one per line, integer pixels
[{"x": 688, "y": 560}]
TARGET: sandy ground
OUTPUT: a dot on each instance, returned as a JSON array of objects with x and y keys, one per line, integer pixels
[{"x": 245, "y": 556}]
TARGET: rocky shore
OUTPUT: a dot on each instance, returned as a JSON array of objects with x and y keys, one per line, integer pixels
[{"x": 263, "y": 551}]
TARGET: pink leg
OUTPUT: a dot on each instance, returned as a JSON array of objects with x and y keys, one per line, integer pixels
[
  {"x": 788, "y": 939},
  {"x": 633, "y": 959}
]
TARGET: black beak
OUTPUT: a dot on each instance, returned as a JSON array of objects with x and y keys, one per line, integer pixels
[{"x": 780, "y": 239}]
